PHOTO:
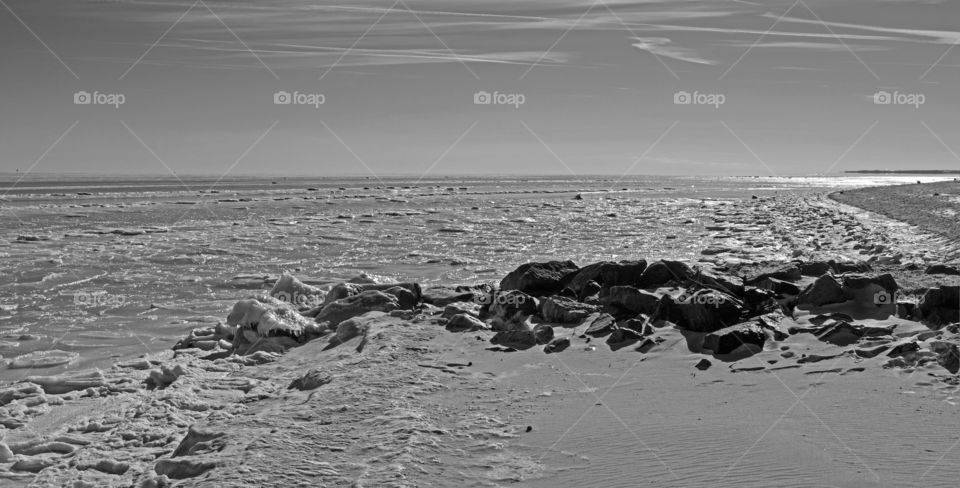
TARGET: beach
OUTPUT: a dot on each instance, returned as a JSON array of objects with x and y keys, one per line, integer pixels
[{"x": 600, "y": 334}]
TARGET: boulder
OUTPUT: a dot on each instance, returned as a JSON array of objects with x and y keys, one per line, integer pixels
[
  {"x": 814, "y": 269},
  {"x": 557, "y": 345},
  {"x": 311, "y": 380},
  {"x": 857, "y": 282},
  {"x": 703, "y": 364},
  {"x": 747, "y": 336},
  {"x": 405, "y": 298},
  {"x": 663, "y": 272},
  {"x": 701, "y": 311},
  {"x": 850, "y": 267},
  {"x": 940, "y": 306},
  {"x": 563, "y": 310},
  {"x": 466, "y": 323},
  {"x": 843, "y": 333},
  {"x": 789, "y": 273},
  {"x": 293, "y": 291},
  {"x": 942, "y": 269},
  {"x": 539, "y": 279},
  {"x": 543, "y": 333},
  {"x": 339, "y": 292},
  {"x": 458, "y": 308},
  {"x": 824, "y": 291},
  {"x": 777, "y": 286},
  {"x": 268, "y": 324},
  {"x": 630, "y": 299},
  {"x": 600, "y": 324},
  {"x": 353, "y": 306},
  {"x": 515, "y": 339},
  {"x": 606, "y": 274},
  {"x": 623, "y": 337},
  {"x": 510, "y": 309},
  {"x": 948, "y": 355},
  {"x": 441, "y": 296}
]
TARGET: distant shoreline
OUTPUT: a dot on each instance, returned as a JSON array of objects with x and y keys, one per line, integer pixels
[{"x": 934, "y": 207}]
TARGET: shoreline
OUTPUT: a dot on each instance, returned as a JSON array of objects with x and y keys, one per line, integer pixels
[{"x": 388, "y": 387}]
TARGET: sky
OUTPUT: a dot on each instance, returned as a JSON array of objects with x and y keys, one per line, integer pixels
[{"x": 445, "y": 87}]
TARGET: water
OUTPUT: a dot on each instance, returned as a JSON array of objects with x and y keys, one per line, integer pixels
[{"x": 110, "y": 269}]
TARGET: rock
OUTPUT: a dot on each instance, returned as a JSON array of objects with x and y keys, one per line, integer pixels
[
  {"x": 339, "y": 292},
  {"x": 850, "y": 267},
  {"x": 458, "y": 308},
  {"x": 630, "y": 299},
  {"x": 441, "y": 296},
  {"x": 843, "y": 333},
  {"x": 940, "y": 306},
  {"x": 466, "y": 323},
  {"x": 815, "y": 269},
  {"x": 903, "y": 348},
  {"x": 853, "y": 283},
  {"x": 777, "y": 286},
  {"x": 663, "y": 272},
  {"x": 557, "y": 345},
  {"x": 166, "y": 375},
  {"x": 515, "y": 339},
  {"x": 406, "y": 298},
  {"x": 539, "y": 279},
  {"x": 745, "y": 337},
  {"x": 600, "y": 324},
  {"x": 623, "y": 337},
  {"x": 824, "y": 291},
  {"x": 564, "y": 310},
  {"x": 353, "y": 327},
  {"x": 543, "y": 333},
  {"x": 942, "y": 269},
  {"x": 510, "y": 309},
  {"x": 788, "y": 273},
  {"x": 268, "y": 316},
  {"x": 353, "y": 306},
  {"x": 703, "y": 364},
  {"x": 56, "y": 385},
  {"x": 311, "y": 380},
  {"x": 948, "y": 355},
  {"x": 33, "y": 464},
  {"x": 179, "y": 469},
  {"x": 701, "y": 311},
  {"x": 606, "y": 274},
  {"x": 291, "y": 290},
  {"x": 6, "y": 455}
]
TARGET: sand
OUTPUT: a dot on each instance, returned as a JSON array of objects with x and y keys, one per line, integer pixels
[{"x": 408, "y": 403}]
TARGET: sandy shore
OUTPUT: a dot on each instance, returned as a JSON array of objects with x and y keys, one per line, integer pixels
[
  {"x": 933, "y": 207},
  {"x": 812, "y": 380}
]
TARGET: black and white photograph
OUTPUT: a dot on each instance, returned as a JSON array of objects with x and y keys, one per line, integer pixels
[{"x": 480, "y": 243}]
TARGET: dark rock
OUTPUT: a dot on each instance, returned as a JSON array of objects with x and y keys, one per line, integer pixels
[
  {"x": 948, "y": 355},
  {"x": 564, "y": 310},
  {"x": 600, "y": 324},
  {"x": 458, "y": 308},
  {"x": 406, "y": 298},
  {"x": 557, "y": 345},
  {"x": 465, "y": 323},
  {"x": 789, "y": 273},
  {"x": 441, "y": 296},
  {"x": 850, "y": 267},
  {"x": 640, "y": 325},
  {"x": 590, "y": 290},
  {"x": 836, "y": 316},
  {"x": 356, "y": 305},
  {"x": 701, "y": 311},
  {"x": 729, "y": 339},
  {"x": 663, "y": 272},
  {"x": 815, "y": 269},
  {"x": 760, "y": 301},
  {"x": 845, "y": 333},
  {"x": 943, "y": 269},
  {"x": 903, "y": 348},
  {"x": 824, "y": 291},
  {"x": 539, "y": 279},
  {"x": 940, "y": 306},
  {"x": 870, "y": 353},
  {"x": 515, "y": 339},
  {"x": 623, "y": 337},
  {"x": 777, "y": 286},
  {"x": 510, "y": 309},
  {"x": 312, "y": 380},
  {"x": 606, "y": 274},
  {"x": 630, "y": 299},
  {"x": 646, "y": 345},
  {"x": 703, "y": 364},
  {"x": 543, "y": 333},
  {"x": 886, "y": 281}
]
